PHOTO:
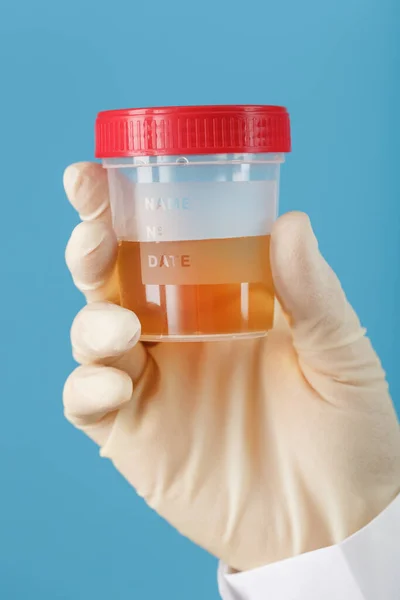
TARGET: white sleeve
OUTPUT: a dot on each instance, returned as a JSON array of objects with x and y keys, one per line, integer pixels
[{"x": 364, "y": 567}]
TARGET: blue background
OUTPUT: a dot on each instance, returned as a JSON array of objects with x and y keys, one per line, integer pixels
[{"x": 70, "y": 527}]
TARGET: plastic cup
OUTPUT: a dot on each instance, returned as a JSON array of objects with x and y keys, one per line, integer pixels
[{"x": 194, "y": 195}]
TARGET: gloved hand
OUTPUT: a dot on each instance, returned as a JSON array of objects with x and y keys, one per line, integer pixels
[{"x": 257, "y": 450}]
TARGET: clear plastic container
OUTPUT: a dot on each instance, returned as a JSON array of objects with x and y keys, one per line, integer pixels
[{"x": 194, "y": 236}]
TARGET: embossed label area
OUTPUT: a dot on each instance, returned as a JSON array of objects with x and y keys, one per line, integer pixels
[
  {"x": 199, "y": 262},
  {"x": 199, "y": 210}
]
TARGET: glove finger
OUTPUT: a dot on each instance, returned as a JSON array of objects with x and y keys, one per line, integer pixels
[
  {"x": 93, "y": 395},
  {"x": 91, "y": 256},
  {"x": 86, "y": 187},
  {"x": 281, "y": 320},
  {"x": 108, "y": 334},
  {"x": 326, "y": 331}
]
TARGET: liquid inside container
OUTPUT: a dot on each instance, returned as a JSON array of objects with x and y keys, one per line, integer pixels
[{"x": 194, "y": 238}]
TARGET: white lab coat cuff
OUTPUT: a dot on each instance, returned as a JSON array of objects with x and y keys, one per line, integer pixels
[{"x": 362, "y": 567}]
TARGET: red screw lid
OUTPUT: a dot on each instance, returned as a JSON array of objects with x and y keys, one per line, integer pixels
[{"x": 192, "y": 130}]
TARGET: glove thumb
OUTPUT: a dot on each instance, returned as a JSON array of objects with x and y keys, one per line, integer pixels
[{"x": 326, "y": 331}]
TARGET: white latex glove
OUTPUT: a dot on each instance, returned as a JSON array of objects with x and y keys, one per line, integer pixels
[{"x": 256, "y": 450}]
